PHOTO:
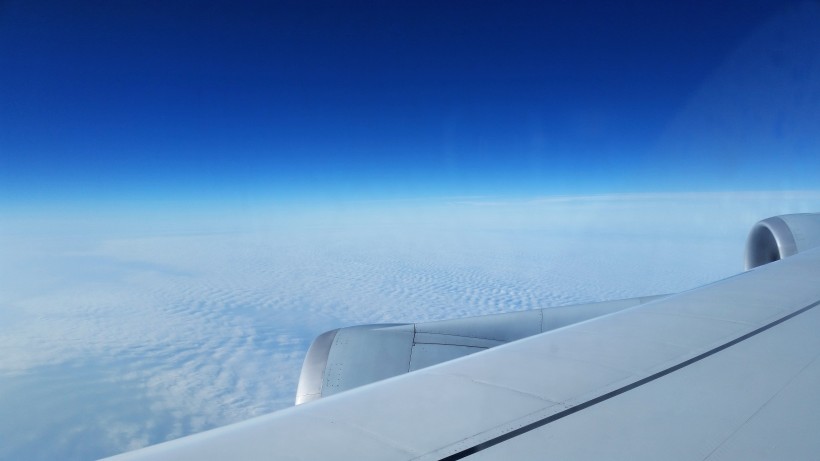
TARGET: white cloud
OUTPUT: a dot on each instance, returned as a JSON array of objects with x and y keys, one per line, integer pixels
[{"x": 111, "y": 342}]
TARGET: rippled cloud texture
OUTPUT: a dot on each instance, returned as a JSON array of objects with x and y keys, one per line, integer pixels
[{"x": 112, "y": 340}]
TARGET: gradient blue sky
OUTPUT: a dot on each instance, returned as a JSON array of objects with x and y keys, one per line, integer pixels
[
  {"x": 155, "y": 100},
  {"x": 382, "y": 162}
]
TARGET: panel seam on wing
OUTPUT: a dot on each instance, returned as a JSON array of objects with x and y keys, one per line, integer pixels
[
  {"x": 493, "y": 385},
  {"x": 369, "y": 433},
  {"x": 760, "y": 408},
  {"x": 711, "y": 318}
]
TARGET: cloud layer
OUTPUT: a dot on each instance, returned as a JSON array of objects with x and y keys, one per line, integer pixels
[{"x": 111, "y": 341}]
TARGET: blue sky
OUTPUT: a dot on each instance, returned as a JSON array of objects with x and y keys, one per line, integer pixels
[
  {"x": 106, "y": 102},
  {"x": 190, "y": 192}
]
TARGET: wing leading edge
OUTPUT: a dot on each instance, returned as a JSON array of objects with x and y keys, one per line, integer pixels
[{"x": 728, "y": 370}]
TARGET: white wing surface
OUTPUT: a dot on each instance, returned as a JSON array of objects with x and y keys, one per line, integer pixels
[{"x": 726, "y": 371}]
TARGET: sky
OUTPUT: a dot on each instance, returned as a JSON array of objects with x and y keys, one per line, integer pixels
[
  {"x": 127, "y": 102},
  {"x": 190, "y": 192}
]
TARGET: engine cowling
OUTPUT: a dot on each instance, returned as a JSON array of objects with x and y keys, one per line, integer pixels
[{"x": 782, "y": 236}]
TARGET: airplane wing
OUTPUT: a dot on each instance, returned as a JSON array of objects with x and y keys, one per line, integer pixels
[{"x": 726, "y": 371}]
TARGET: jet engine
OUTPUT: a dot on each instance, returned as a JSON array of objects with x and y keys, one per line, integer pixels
[{"x": 782, "y": 236}]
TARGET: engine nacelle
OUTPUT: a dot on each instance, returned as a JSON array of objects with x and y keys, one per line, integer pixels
[
  {"x": 782, "y": 236},
  {"x": 350, "y": 357}
]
